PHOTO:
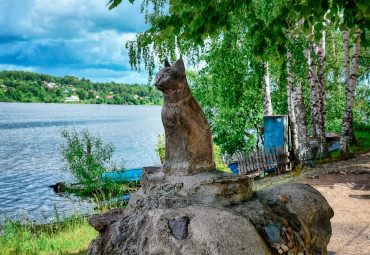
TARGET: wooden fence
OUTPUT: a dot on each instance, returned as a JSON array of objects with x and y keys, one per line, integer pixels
[{"x": 274, "y": 159}]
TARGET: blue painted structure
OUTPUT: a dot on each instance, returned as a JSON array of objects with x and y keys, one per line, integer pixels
[
  {"x": 234, "y": 167},
  {"x": 276, "y": 131},
  {"x": 131, "y": 175}
]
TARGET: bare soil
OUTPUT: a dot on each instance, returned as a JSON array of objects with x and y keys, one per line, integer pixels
[{"x": 346, "y": 186}]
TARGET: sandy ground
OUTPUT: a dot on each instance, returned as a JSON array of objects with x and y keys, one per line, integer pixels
[{"x": 348, "y": 193}]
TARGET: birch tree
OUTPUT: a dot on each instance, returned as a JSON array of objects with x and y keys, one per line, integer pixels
[
  {"x": 292, "y": 119},
  {"x": 347, "y": 136},
  {"x": 316, "y": 76},
  {"x": 295, "y": 75},
  {"x": 267, "y": 92}
]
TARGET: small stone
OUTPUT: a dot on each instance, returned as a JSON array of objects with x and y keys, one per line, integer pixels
[
  {"x": 284, "y": 247},
  {"x": 300, "y": 253},
  {"x": 283, "y": 199},
  {"x": 290, "y": 252},
  {"x": 179, "y": 227},
  {"x": 273, "y": 233},
  {"x": 280, "y": 251},
  {"x": 290, "y": 245},
  {"x": 276, "y": 246}
]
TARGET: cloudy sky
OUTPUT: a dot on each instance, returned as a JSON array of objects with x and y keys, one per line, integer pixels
[{"x": 70, "y": 37}]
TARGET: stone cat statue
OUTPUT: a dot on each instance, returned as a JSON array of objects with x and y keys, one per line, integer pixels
[{"x": 189, "y": 146}]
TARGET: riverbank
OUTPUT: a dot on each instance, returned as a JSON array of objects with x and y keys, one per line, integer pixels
[{"x": 69, "y": 237}]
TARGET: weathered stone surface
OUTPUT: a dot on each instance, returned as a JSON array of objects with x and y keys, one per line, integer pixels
[
  {"x": 207, "y": 234},
  {"x": 308, "y": 206},
  {"x": 214, "y": 188},
  {"x": 184, "y": 207},
  {"x": 102, "y": 221},
  {"x": 189, "y": 147}
]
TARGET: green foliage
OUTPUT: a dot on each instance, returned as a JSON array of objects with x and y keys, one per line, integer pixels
[
  {"x": 185, "y": 25},
  {"x": 220, "y": 165},
  {"x": 72, "y": 236},
  {"x": 86, "y": 157},
  {"x": 160, "y": 147},
  {"x": 31, "y": 87}
]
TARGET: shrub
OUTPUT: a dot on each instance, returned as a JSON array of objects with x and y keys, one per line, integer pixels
[
  {"x": 86, "y": 157},
  {"x": 160, "y": 147}
]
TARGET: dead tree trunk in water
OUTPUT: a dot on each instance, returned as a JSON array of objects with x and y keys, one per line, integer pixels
[
  {"x": 348, "y": 137},
  {"x": 267, "y": 95}
]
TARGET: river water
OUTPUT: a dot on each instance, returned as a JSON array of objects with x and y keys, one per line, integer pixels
[{"x": 30, "y": 138}]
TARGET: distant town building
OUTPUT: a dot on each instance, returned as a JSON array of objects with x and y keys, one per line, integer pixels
[
  {"x": 71, "y": 99},
  {"x": 109, "y": 97},
  {"x": 66, "y": 91},
  {"x": 111, "y": 92},
  {"x": 3, "y": 86},
  {"x": 97, "y": 97},
  {"x": 136, "y": 96}
]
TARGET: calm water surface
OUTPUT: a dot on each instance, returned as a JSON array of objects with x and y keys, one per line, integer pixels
[{"x": 29, "y": 150}]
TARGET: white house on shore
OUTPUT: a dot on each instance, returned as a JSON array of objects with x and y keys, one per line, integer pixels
[{"x": 71, "y": 99}]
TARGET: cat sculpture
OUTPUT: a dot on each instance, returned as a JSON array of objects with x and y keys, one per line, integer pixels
[{"x": 189, "y": 146}]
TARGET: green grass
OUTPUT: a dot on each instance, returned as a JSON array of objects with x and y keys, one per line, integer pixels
[{"x": 70, "y": 237}]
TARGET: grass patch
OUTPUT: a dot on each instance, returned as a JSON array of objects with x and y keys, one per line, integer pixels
[
  {"x": 72, "y": 236},
  {"x": 68, "y": 236}
]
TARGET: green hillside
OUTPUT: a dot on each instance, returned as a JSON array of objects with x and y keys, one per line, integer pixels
[{"x": 20, "y": 86}]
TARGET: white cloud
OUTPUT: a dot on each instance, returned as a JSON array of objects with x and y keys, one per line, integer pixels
[{"x": 72, "y": 36}]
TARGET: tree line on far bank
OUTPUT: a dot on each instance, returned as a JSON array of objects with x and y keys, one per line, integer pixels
[{"x": 21, "y": 86}]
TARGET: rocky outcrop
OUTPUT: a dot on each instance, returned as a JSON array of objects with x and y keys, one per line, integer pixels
[
  {"x": 214, "y": 213},
  {"x": 187, "y": 207}
]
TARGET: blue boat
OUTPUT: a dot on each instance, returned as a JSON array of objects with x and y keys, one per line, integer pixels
[{"x": 131, "y": 175}]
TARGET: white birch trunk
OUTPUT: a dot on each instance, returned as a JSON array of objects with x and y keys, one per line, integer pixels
[
  {"x": 312, "y": 80},
  {"x": 323, "y": 151},
  {"x": 316, "y": 103},
  {"x": 321, "y": 52},
  {"x": 267, "y": 94},
  {"x": 305, "y": 151},
  {"x": 347, "y": 134},
  {"x": 292, "y": 119}
]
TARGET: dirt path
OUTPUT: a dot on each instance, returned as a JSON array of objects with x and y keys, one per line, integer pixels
[{"x": 348, "y": 193}]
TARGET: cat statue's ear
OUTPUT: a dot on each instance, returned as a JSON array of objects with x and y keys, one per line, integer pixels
[
  {"x": 166, "y": 64},
  {"x": 180, "y": 67}
]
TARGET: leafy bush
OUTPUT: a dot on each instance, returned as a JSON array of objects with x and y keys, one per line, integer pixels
[
  {"x": 160, "y": 147},
  {"x": 86, "y": 157},
  {"x": 220, "y": 165}
]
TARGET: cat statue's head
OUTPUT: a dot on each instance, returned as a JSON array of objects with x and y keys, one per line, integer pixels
[{"x": 171, "y": 77}]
